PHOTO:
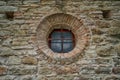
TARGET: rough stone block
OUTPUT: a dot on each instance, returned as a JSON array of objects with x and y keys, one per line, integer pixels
[
  {"x": 45, "y": 70},
  {"x": 8, "y": 8},
  {"x": 7, "y": 77},
  {"x": 102, "y": 24},
  {"x": 97, "y": 31},
  {"x": 116, "y": 70},
  {"x": 116, "y": 23},
  {"x": 116, "y": 61},
  {"x": 112, "y": 77},
  {"x": 14, "y": 2},
  {"x": 66, "y": 70},
  {"x": 2, "y": 3},
  {"x": 97, "y": 38},
  {"x": 103, "y": 60},
  {"x": 114, "y": 31},
  {"x": 80, "y": 78},
  {"x": 2, "y": 16},
  {"x": 7, "y": 42},
  {"x": 5, "y": 33},
  {"x": 22, "y": 70},
  {"x": 7, "y": 52},
  {"x": 117, "y": 49},
  {"x": 24, "y": 47},
  {"x": 26, "y": 77},
  {"x": 18, "y": 43},
  {"x": 19, "y": 22},
  {"x": 29, "y": 60},
  {"x": 2, "y": 60},
  {"x": 3, "y": 70},
  {"x": 31, "y": 2},
  {"x": 87, "y": 70},
  {"x": 13, "y": 60},
  {"x": 25, "y": 26},
  {"x": 103, "y": 70},
  {"x": 105, "y": 51}
]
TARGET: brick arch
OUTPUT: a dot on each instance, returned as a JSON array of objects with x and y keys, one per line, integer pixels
[{"x": 76, "y": 25}]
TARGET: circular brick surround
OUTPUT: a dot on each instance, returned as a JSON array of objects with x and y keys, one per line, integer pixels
[{"x": 80, "y": 31}]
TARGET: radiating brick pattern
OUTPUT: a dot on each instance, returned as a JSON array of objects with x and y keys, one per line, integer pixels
[{"x": 82, "y": 34}]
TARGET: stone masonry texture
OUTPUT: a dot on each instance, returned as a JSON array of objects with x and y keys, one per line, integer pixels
[{"x": 20, "y": 59}]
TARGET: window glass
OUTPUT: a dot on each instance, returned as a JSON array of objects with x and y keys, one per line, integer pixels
[{"x": 61, "y": 40}]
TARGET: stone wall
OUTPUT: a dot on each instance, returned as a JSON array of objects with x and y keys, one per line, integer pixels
[{"x": 21, "y": 60}]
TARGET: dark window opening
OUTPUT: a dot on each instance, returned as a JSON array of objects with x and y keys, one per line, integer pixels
[
  {"x": 10, "y": 15},
  {"x": 61, "y": 40},
  {"x": 106, "y": 13}
]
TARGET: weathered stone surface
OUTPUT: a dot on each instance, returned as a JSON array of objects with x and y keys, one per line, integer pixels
[
  {"x": 31, "y": 2},
  {"x": 8, "y": 8},
  {"x": 7, "y": 42},
  {"x": 19, "y": 43},
  {"x": 2, "y": 16},
  {"x": 115, "y": 23},
  {"x": 114, "y": 31},
  {"x": 7, "y": 77},
  {"x": 45, "y": 70},
  {"x": 5, "y": 33},
  {"x": 22, "y": 33},
  {"x": 103, "y": 70},
  {"x": 26, "y": 77},
  {"x": 97, "y": 38},
  {"x": 7, "y": 52},
  {"x": 2, "y": 60},
  {"x": 103, "y": 24},
  {"x": 103, "y": 60},
  {"x": 104, "y": 51},
  {"x": 66, "y": 70},
  {"x": 97, "y": 31},
  {"x": 116, "y": 61},
  {"x": 29, "y": 60},
  {"x": 22, "y": 70},
  {"x": 13, "y": 60},
  {"x": 2, "y": 3},
  {"x": 14, "y": 2},
  {"x": 18, "y": 22},
  {"x": 117, "y": 49},
  {"x": 80, "y": 78},
  {"x": 116, "y": 70},
  {"x": 113, "y": 77},
  {"x": 21, "y": 60},
  {"x": 3, "y": 70},
  {"x": 87, "y": 70},
  {"x": 24, "y": 47}
]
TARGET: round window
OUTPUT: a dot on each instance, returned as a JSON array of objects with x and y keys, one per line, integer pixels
[
  {"x": 61, "y": 40},
  {"x": 62, "y": 37}
]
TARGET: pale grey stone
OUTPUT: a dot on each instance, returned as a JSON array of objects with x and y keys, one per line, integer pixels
[
  {"x": 26, "y": 47},
  {"x": 7, "y": 42},
  {"x": 2, "y": 60},
  {"x": 26, "y": 77},
  {"x": 2, "y": 16},
  {"x": 5, "y": 33},
  {"x": 7, "y": 52},
  {"x": 8, "y": 8},
  {"x": 7, "y": 77},
  {"x": 22, "y": 70},
  {"x": 13, "y": 60},
  {"x": 103, "y": 70},
  {"x": 31, "y": 1}
]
